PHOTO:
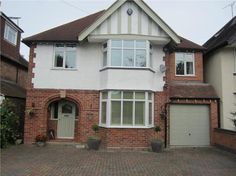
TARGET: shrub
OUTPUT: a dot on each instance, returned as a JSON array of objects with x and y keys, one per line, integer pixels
[{"x": 9, "y": 123}]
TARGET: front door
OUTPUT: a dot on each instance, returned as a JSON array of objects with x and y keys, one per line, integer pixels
[{"x": 66, "y": 120}]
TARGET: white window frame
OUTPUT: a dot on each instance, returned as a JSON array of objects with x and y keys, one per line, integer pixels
[
  {"x": 185, "y": 63},
  {"x": 234, "y": 61},
  {"x": 7, "y": 30},
  {"x": 109, "y": 48},
  {"x": 65, "y": 49},
  {"x": 108, "y": 110}
]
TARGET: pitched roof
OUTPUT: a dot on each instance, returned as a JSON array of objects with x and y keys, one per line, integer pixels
[
  {"x": 65, "y": 33},
  {"x": 194, "y": 90},
  {"x": 184, "y": 44},
  {"x": 11, "y": 89},
  {"x": 225, "y": 36}
]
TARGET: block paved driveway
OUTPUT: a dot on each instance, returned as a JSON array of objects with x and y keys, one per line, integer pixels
[{"x": 60, "y": 160}]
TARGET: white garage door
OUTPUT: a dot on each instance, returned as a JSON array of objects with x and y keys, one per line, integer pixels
[{"x": 189, "y": 125}]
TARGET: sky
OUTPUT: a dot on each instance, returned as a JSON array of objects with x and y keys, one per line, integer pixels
[{"x": 196, "y": 20}]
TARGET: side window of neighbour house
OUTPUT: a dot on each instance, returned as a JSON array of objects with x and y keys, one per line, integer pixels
[{"x": 65, "y": 56}]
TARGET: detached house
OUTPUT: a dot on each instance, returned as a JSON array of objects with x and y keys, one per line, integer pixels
[
  {"x": 13, "y": 67},
  {"x": 124, "y": 69},
  {"x": 220, "y": 70}
]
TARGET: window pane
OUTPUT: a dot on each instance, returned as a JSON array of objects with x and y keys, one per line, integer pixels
[
  {"x": 67, "y": 109},
  {"x": 70, "y": 59},
  {"x": 128, "y": 44},
  {"x": 140, "y": 95},
  {"x": 115, "y": 113},
  {"x": 151, "y": 60},
  {"x": 116, "y": 95},
  {"x": 116, "y": 43},
  {"x": 150, "y": 114},
  {"x": 128, "y": 95},
  {"x": 189, "y": 68},
  {"x": 104, "y": 112},
  {"x": 149, "y": 96},
  {"x": 58, "y": 59},
  {"x": 139, "y": 113},
  {"x": 104, "y": 95},
  {"x": 179, "y": 67},
  {"x": 128, "y": 58},
  {"x": 104, "y": 62},
  {"x": 141, "y": 58},
  {"x": 128, "y": 113},
  {"x": 140, "y": 44},
  {"x": 116, "y": 57}
]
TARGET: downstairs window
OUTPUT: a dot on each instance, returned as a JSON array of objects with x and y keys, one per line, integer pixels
[{"x": 126, "y": 109}]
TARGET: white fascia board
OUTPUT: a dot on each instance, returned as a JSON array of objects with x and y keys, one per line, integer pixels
[
  {"x": 158, "y": 20},
  {"x": 108, "y": 12}
]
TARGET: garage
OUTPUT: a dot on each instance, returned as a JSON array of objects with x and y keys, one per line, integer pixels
[{"x": 189, "y": 125}]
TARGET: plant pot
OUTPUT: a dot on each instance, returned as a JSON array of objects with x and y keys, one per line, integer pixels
[
  {"x": 157, "y": 145},
  {"x": 18, "y": 141},
  {"x": 40, "y": 144},
  {"x": 93, "y": 143}
]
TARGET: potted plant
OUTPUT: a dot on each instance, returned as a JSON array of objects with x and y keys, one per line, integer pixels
[
  {"x": 18, "y": 139},
  {"x": 40, "y": 140},
  {"x": 30, "y": 112},
  {"x": 157, "y": 144},
  {"x": 94, "y": 141}
]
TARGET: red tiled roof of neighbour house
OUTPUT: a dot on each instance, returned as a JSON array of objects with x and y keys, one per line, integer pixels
[
  {"x": 11, "y": 89},
  {"x": 184, "y": 45},
  {"x": 65, "y": 33},
  {"x": 191, "y": 90},
  {"x": 225, "y": 36}
]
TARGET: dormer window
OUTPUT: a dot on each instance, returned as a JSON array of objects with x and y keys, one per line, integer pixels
[
  {"x": 10, "y": 34},
  {"x": 127, "y": 53},
  {"x": 184, "y": 63}
]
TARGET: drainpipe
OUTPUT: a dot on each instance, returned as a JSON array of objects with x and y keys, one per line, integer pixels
[{"x": 218, "y": 113}]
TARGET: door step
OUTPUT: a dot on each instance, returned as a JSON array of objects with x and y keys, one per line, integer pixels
[{"x": 67, "y": 142}]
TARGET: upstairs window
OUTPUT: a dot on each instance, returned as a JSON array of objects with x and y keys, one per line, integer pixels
[
  {"x": 127, "y": 53},
  {"x": 10, "y": 34},
  {"x": 65, "y": 56},
  {"x": 184, "y": 64}
]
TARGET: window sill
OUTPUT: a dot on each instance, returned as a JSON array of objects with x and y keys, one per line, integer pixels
[
  {"x": 185, "y": 75},
  {"x": 13, "y": 44},
  {"x": 65, "y": 69},
  {"x": 128, "y": 68},
  {"x": 125, "y": 127},
  {"x": 57, "y": 119}
]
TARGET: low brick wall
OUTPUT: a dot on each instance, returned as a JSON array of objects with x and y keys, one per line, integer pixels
[{"x": 225, "y": 139}]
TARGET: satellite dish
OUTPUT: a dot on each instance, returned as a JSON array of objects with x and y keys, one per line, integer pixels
[{"x": 162, "y": 68}]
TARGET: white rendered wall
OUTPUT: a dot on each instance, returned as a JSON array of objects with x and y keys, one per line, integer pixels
[
  {"x": 121, "y": 23},
  {"x": 88, "y": 75}
]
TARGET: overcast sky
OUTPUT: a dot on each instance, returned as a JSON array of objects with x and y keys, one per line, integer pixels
[{"x": 196, "y": 20}]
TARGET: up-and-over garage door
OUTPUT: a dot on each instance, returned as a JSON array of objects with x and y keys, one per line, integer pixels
[{"x": 189, "y": 125}]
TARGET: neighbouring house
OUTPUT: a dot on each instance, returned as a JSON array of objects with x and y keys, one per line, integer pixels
[
  {"x": 124, "y": 69},
  {"x": 14, "y": 68},
  {"x": 220, "y": 70}
]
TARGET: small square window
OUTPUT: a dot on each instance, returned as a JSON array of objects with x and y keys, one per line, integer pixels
[
  {"x": 116, "y": 95},
  {"x": 184, "y": 64},
  {"x": 10, "y": 34}
]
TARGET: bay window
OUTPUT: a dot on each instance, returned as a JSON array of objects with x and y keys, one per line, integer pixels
[
  {"x": 127, "y": 53},
  {"x": 126, "y": 109},
  {"x": 184, "y": 64}
]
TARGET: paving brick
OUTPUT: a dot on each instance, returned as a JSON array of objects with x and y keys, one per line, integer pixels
[{"x": 60, "y": 160}]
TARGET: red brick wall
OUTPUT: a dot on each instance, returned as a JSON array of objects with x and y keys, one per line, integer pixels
[
  {"x": 39, "y": 99},
  {"x": 170, "y": 72},
  {"x": 8, "y": 71},
  {"x": 13, "y": 73},
  {"x": 225, "y": 139}
]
